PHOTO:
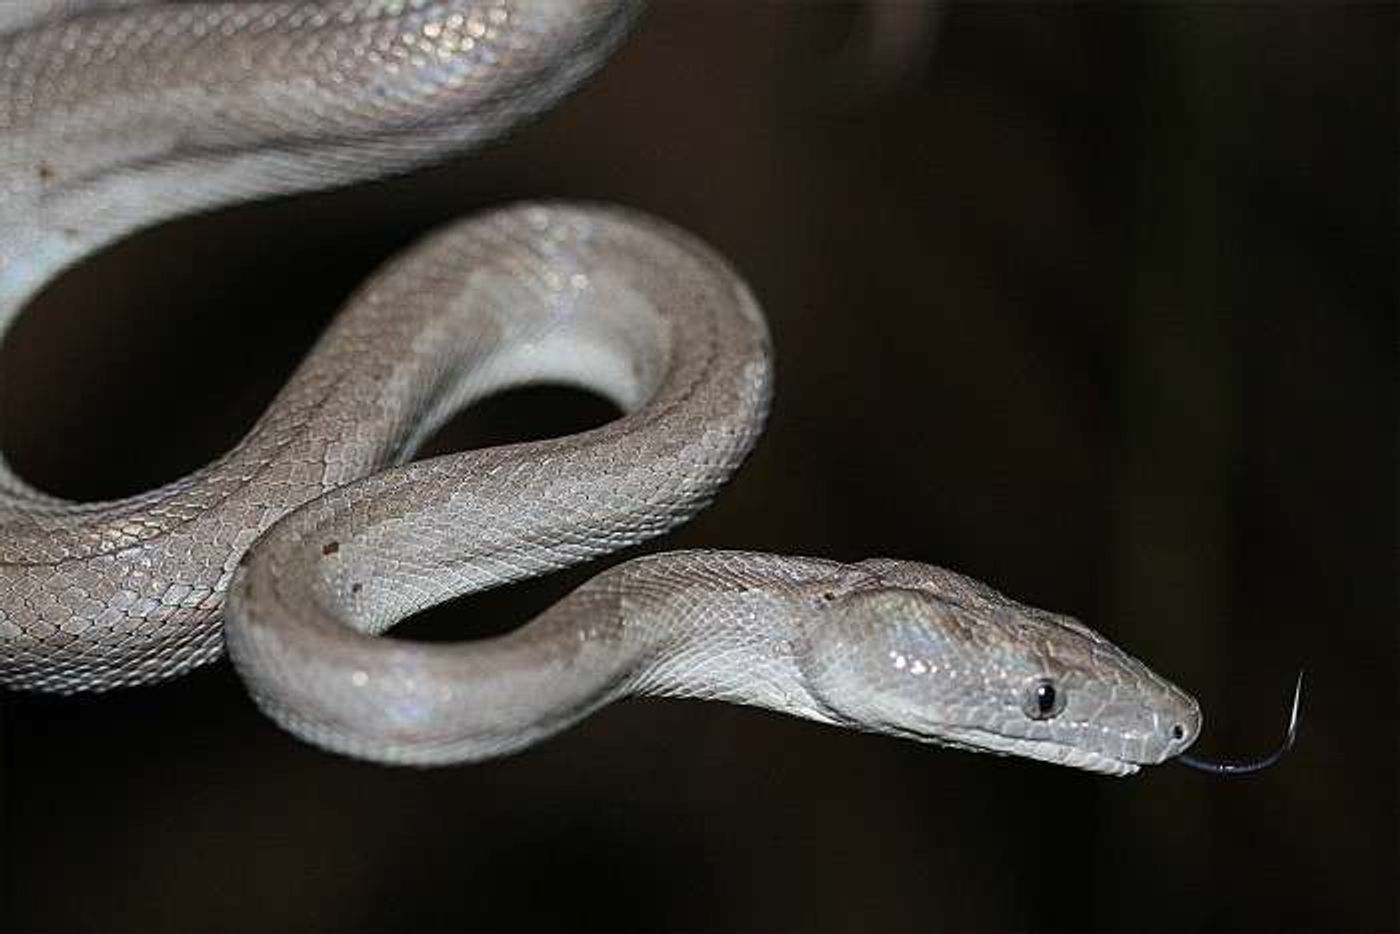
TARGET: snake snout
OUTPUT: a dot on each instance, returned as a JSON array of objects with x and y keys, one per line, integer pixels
[
  {"x": 1155, "y": 719},
  {"x": 1179, "y": 723}
]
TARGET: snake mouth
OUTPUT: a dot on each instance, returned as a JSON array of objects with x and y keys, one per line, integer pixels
[
  {"x": 1074, "y": 757},
  {"x": 1044, "y": 750},
  {"x": 1096, "y": 762}
]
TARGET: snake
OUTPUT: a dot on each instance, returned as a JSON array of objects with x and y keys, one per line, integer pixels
[{"x": 303, "y": 544}]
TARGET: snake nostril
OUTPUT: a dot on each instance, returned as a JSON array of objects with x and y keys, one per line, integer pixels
[{"x": 1178, "y": 731}]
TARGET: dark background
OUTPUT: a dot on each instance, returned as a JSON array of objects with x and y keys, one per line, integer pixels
[{"x": 1094, "y": 303}]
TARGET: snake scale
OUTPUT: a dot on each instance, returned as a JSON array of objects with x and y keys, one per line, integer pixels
[{"x": 317, "y": 531}]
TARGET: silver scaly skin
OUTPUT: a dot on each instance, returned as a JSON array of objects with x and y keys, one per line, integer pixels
[{"x": 316, "y": 532}]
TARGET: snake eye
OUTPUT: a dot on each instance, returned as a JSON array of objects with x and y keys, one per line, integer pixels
[{"x": 1043, "y": 700}]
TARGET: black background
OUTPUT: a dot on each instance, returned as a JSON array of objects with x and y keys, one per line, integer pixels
[{"x": 1094, "y": 303}]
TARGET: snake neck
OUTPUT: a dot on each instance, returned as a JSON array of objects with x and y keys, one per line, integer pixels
[{"x": 724, "y": 625}]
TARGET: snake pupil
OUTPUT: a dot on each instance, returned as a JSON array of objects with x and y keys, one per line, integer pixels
[{"x": 1043, "y": 700}]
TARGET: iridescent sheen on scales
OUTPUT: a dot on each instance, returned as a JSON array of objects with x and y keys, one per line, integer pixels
[{"x": 317, "y": 532}]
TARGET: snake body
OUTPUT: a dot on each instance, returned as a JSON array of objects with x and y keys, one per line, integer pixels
[{"x": 316, "y": 533}]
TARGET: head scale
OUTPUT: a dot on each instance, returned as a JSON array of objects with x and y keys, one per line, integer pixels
[{"x": 917, "y": 651}]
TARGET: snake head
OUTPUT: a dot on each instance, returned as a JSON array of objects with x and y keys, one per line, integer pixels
[{"x": 917, "y": 651}]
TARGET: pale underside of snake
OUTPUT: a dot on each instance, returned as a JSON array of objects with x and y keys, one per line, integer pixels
[{"x": 317, "y": 532}]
